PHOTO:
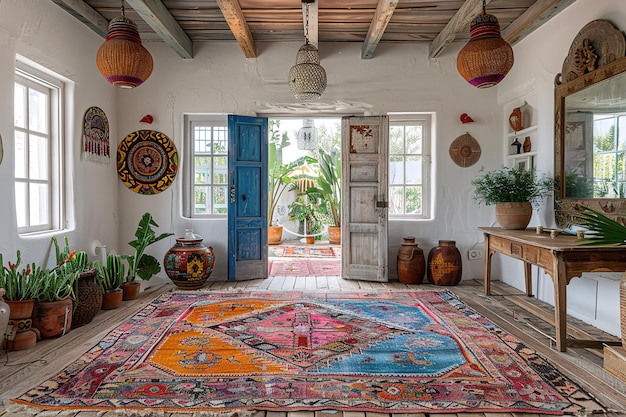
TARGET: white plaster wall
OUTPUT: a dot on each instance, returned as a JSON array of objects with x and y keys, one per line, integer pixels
[
  {"x": 399, "y": 78},
  {"x": 44, "y": 33},
  {"x": 538, "y": 58}
]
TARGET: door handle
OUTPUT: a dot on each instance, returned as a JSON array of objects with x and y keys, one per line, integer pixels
[{"x": 232, "y": 194}]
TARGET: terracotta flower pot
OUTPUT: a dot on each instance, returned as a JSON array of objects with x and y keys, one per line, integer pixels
[
  {"x": 53, "y": 318},
  {"x": 20, "y": 317},
  {"x": 274, "y": 235},
  {"x": 113, "y": 299},
  {"x": 130, "y": 291},
  {"x": 334, "y": 235}
]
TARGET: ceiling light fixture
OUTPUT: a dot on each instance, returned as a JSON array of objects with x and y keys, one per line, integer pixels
[
  {"x": 307, "y": 79},
  {"x": 307, "y": 135},
  {"x": 486, "y": 59},
  {"x": 122, "y": 59}
]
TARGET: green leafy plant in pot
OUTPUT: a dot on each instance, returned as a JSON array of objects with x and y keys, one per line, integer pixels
[
  {"x": 110, "y": 278},
  {"x": 329, "y": 188},
  {"x": 141, "y": 264},
  {"x": 515, "y": 192}
]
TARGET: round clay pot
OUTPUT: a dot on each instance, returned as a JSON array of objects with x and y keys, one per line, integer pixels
[
  {"x": 514, "y": 216},
  {"x": 20, "y": 315},
  {"x": 53, "y": 318},
  {"x": 113, "y": 299},
  {"x": 334, "y": 235},
  {"x": 130, "y": 291},
  {"x": 189, "y": 263},
  {"x": 444, "y": 264},
  {"x": 411, "y": 262},
  {"x": 274, "y": 235}
]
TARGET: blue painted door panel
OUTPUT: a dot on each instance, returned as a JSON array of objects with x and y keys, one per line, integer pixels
[{"x": 247, "y": 208}]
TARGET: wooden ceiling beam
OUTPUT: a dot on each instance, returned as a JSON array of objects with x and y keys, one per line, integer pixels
[
  {"x": 382, "y": 16},
  {"x": 156, "y": 15},
  {"x": 238, "y": 26},
  {"x": 459, "y": 22},
  {"x": 535, "y": 16},
  {"x": 86, "y": 14}
]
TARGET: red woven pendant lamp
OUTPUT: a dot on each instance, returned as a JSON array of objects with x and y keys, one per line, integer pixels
[
  {"x": 486, "y": 59},
  {"x": 122, "y": 59}
]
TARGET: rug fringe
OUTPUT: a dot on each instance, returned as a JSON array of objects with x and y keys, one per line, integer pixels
[{"x": 22, "y": 410}]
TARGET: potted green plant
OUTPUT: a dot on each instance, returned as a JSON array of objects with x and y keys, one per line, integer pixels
[
  {"x": 52, "y": 314},
  {"x": 87, "y": 294},
  {"x": 515, "y": 192},
  {"x": 329, "y": 188},
  {"x": 304, "y": 209},
  {"x": 110, "y": 277},
  {"x": 21, "y": 291},
  {"x": 141, "y": 264}
]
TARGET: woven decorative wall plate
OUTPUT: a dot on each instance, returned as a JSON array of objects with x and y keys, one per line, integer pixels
[
  {"x": 147, "y": 161},
  {"x": 465, "y": 150}
]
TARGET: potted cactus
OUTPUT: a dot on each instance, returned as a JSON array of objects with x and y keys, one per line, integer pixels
[{"x": 110, "y": 277}]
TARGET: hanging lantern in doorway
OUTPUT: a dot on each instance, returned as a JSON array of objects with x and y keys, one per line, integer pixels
[
  {"x": 307, "y": 79},
  {"x": 486, "y": 59},
  {"x": 307, "y": 135},
  {"x": 122, "y": 59}
]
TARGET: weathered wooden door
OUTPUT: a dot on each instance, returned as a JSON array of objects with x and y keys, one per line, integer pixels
[
  {"x": 247, "y": 207},
  {"x": 364, "y": 193}
]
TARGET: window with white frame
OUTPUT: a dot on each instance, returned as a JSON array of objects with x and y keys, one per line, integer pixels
[
  {"x": 409, "y": 165},
  {"x": 38, "y": 131},
  {"x": 208, "y": 172}
]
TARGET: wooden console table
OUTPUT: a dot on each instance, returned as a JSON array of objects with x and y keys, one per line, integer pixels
[{"x": 561, "y": 258}]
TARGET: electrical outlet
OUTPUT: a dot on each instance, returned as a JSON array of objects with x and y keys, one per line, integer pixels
[
  {"x": 10, "y": 332},
  {"x": 474, "y": 254}
]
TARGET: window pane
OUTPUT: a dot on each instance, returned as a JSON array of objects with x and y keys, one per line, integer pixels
[
  {"x": 38, "y": 204},
  {"x": 621, "y": 134},
  {"x": 220, "y": 174},
  {"x": 621, "y": 166},
  {"x": 20, "y": 203},
  {"x": 200, "y": 200},
  {"x": 20, "y": 155},
  {"x": 413, "y": 170},
  {"x": 604, "y": 134},
  {"x": 396, "y": 140},
  {"x": 396, "y": 170},
  {"x": 37, "y": 111},
  {"x": 38, "y": 158},
  {"x": 202, "y": 139},
  {"x": 413, "y": 200},
  {"x": 220, "y": 140},
  {"x": 20, "y": 106},
  {"x": 203, "y": 170},
  {"x": 396, "y": 200},
  {"x": 414, "y": 139},
  {"x": 220, "y": 205}
]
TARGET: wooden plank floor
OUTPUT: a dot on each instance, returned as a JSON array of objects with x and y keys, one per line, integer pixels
[{"x": 24, "y": 369}]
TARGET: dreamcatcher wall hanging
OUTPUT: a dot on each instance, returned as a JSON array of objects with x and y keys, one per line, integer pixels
[
  {"x": 147, "y": 161},
  {"x": 96, "y": 136}
]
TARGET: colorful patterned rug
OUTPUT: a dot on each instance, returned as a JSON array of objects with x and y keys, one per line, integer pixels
[
  {"x": 391, "y": 352},
  {"x": 304, "y": 267},
  {"x": 305, "y": 251}
]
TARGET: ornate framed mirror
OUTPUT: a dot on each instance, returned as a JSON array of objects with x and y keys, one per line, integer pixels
[{"x": 590, "y": 124}]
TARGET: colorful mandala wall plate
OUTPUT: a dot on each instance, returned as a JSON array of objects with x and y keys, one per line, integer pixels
[{"x": 147, "y": 161}]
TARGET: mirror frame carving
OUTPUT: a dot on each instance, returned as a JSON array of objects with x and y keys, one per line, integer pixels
[{"x": 611, "y": 67}]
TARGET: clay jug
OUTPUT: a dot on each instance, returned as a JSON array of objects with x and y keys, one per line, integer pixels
[
  {"x": 444, "y": 264},
  {"x": 411, "y": 262},
  {"x": 189, "y": 263}
]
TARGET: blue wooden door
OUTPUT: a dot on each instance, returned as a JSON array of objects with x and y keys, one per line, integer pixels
[{"x": 247, "y": 207}]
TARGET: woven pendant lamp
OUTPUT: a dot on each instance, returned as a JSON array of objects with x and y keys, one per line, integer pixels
[
  {"x": 122, "y": 59},
  {"x": 307, "y": 79},
  {"x": 486, "y": 59}
]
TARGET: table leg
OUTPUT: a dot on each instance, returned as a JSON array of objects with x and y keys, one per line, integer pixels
[
  {"x": 487, "y": 266},
  {"x": 560, "y": 304},
  {"x": 528, "y": 277}
]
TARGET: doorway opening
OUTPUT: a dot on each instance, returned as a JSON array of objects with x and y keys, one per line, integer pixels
[{"x": 304, "y": 196}]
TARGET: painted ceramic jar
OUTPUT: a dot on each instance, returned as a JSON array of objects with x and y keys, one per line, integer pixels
[
  {"x": 4, "y": 314},
  {"x": 444, "y": 264},
  {"x": 411, "y": 262},
  {"x": 189, "y": 262}
]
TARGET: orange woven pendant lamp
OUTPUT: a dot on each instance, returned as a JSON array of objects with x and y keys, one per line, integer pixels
[
  {"x": 486, "y": 59},
  {"x": 122, "y": 59}
]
